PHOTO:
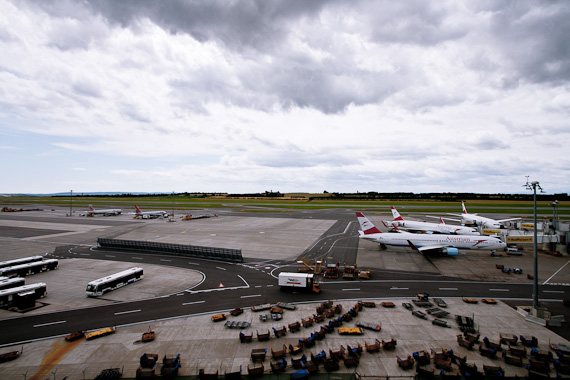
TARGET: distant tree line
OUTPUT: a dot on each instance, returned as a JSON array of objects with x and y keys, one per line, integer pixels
[
  {"x": 371, "y": 195},
  {"x": 442, "y": 197}
]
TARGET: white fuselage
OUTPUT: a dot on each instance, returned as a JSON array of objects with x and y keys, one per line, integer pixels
[
  {"x": 435, "y": 227},
  {"x": 111, "y": 211},
  {"x": 480, "y": 221},
  {"x": 424, "y": 240}
]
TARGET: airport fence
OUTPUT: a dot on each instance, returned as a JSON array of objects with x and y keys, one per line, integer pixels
[{"x": 223, "y": 254}]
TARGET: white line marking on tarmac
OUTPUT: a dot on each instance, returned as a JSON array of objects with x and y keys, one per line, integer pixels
[
  {"x": 555, "y": 273},
  {"x": 127, "y": 312},
  {"x": 348, "y": 290},
  {"x": 193, "y": 263},
  {"x": 553, "y": 291},
  {"x": 499, "y": 290},
  {"x": 49, "y": 323},
  {"x": 395, "y": 288},
  {"x": 110, "y": 256},
  {"x": 165, "y": 260},
  {"x": 136, "y": 258},
  {"x": 192, "y": 303},
  {"x": 254, "y": 295},
  {"x": 447, "y": 288},
  {"x": 221, "y": 268},
  {"x": 85, "y": 254}
]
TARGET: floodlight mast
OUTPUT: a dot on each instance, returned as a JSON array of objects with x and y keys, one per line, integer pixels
[{"x": 532, "y": 186}]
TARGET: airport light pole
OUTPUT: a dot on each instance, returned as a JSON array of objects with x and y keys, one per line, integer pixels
[{"x": 532, "y": 186}]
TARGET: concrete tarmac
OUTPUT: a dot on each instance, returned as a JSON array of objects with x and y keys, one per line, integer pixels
[{"x": 204, "y": 344}]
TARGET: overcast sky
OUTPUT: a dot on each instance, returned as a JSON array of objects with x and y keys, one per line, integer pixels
[{"x": 290, "y": 96}]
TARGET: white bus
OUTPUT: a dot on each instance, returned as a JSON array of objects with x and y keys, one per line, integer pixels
[
  {"x": 9, "y": 297},
  {"x": 6, "y": 282},
  {"x": 23, "y": 270},
  {"x": 106, "y": 284},
  {"x": 23, "y": 260}
]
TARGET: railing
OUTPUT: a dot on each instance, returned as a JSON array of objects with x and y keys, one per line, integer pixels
[{"x": 223, "y": 254}]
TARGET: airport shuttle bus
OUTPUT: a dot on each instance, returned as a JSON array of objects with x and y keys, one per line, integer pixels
[
  {"x": 24, "y": 260},
  {"x": 106, "y": 284},
  {"x": 6, "y": 283},
  {"x": 10, "y": 297},
  {"x": 23, "y": 270}
]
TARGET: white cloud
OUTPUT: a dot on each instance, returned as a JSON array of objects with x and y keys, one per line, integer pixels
[{"x": 291, "y": 96}]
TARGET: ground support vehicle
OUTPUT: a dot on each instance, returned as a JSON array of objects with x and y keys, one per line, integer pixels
[
  {"x": 24, "y": 260},
  {"x": 258, "y": 354},
  {"x": 218, "y": 317},
  {"x": 349, "y": 272},
  {"x": 289, "y": 281},
  {"x": 364, "y": 274},
  {"x": 272, "y": 316},
  {"x": 148, "y": 336},
  {"x": 331, "y": 270},
  {"x": 265, "y": 306},
  {"x": 14, "y": 282},
  {"x": 11, "y": 355},
  {"x": 103, "y": 285},
  {"x": 237, "y": 324},
  {"x": 286, "y": 305},
  {"x": 306, "y": 267},
  {"x": 34, "y": 267},
  {"x": 170, "y": 366},
  {"x": 74, "y": 336},
  {"x": 255, "y": 371},
  {"x": 22, "y": 297},
  {"x": 100, "y": 333},
  {"x": 350, "y": 331},
  {"x": 369, "y": 325}
]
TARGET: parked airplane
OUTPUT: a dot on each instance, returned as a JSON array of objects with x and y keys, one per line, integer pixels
[
  {"x": 149, "y": 214},
  {"x": 467, "y": 218},
  {"x": 440, "y": 228},
  {"x": 107, "y": 212},
  {"x": 425, "y": 243}
]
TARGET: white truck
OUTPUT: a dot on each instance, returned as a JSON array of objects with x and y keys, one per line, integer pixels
[{"x": 289, "y": 281}]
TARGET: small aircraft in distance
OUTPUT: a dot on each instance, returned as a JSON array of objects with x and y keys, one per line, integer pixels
[
  {"x": 467, "y": 218},
  {"x": 149, "y": 214},
  {"x": 426, "y": 243},
  {"x": 107, "y": 212},
  {"x": 434, "y": 228}
]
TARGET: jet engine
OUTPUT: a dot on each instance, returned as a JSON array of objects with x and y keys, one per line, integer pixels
[{"x": 451, "y": 251}]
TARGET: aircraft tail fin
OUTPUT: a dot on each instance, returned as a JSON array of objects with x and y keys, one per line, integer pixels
[
  {"x": 396, "y": 214},
  {"x": 366, "y": 225},
  {"x": 91, "y": 208},
  {"x": 463, "y": 206},
  {"x": 137, "y": 209},
  {"x": 441, "y": 220}
]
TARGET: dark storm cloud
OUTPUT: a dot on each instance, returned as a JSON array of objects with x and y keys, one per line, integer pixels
[
  {"x": 255, "y": 24},
  {"x": 522, "y": 41},
  {"x": 532, "y": 36}
]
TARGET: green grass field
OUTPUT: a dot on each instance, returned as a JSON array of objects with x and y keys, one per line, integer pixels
[{"x": 185, "y": 203}]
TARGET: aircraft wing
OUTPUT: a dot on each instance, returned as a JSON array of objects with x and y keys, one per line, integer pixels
[
  {"x": 393, "y": 227},
  {"x": 418, "y": 230},
  {"x": 506, "y": 220},
  {"x": 429, "y": 248},
  {"x": 442, "y": 217}
]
